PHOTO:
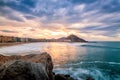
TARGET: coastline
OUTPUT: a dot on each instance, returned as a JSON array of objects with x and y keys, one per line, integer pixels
[
  {"x": 12, "y": 44},
  {"x": 17, "y": 43}
]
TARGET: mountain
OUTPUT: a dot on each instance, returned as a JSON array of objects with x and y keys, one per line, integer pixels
[
  {"x": 75, "y": 38},
  {"x": 71, "y": 38}
]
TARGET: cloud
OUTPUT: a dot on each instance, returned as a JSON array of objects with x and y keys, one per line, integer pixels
[
  {"x": 29, "y": 17},
  {"x": 8, "y": 31},
  {"x": 81, "y": 1},
  {"x": 11, "y": 14},
  {"x": 86, "y": 18},
  {"x": 79, "y": 7}
]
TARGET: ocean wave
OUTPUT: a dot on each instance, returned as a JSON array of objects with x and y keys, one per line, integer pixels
[
  {"x": 94, "y": 62},
  {"x": 98, "y": 46},
  {"x": 83, "y": 74}
]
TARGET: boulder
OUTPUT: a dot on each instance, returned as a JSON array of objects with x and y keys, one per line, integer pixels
[
  {"x": 20, "y": 70},
  {"x": 29, "y": 66},
  {"x": 44, "y": 59},
  {"x": 90, "y": 78},
  {"x": 63, "y": 77}
]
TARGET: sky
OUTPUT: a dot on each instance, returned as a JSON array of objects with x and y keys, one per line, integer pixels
[{"x": 92, "y": 20}]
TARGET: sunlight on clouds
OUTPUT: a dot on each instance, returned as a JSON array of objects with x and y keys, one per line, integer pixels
[
  {"x": 79, "y": 7},
  {"x": 59, "y": 18},
  {"x": 84, "y": 24}
]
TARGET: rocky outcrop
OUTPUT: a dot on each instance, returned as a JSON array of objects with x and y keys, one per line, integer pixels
[
  {"x": 43, "y": 58},
  {"x": 20, "y": 70},
  {"x": 35, "y": 65},
  {"x": 29, "y": 67}
]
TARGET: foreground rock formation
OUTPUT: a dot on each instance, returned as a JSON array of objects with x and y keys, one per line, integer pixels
[
  {"x": 29, "y": 67},
  {"x": 20, "y": 70}
]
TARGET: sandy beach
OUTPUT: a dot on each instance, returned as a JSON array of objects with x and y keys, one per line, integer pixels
[{"x": 11, "y": 44}]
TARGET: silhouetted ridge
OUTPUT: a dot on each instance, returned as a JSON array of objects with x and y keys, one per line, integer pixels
[
  {"x": 71, "y": 38},
  {"x": 75, "y": 38}
]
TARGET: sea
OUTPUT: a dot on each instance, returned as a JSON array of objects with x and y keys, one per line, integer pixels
[{"x": 97, "y": 60}]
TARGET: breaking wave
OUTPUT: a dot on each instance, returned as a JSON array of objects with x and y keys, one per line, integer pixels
[
  {"x": 83, "y": 74},
  {"x": 96, "y": 73},
  {"x": 95, "y": 62}
]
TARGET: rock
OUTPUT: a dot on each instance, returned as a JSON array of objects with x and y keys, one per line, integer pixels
[
  {"x": 63, "y": 77},
  {"x": 20, "y": 70},
  {"x": 90, "y": 78},
  {"x": 43, "y": 58},
  {"x": 38, "y": 61},
  {"x": 29, "y": 67}
]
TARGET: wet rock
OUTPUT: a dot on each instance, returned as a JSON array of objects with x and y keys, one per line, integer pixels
[
  {"x": 90, "y": 78},
  {"x": 63, "y": 77}
]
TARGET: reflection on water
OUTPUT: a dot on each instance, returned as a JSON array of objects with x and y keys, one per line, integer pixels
[{"x": 62, "y": 53}]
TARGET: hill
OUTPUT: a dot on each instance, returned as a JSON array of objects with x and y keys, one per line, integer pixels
[{"x": 71, "y": 38}]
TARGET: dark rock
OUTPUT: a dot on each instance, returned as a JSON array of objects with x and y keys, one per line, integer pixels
[
  {"x": 90, "y": 78},
  {"x": 29, "y": 67},
  {"x": 63, "y": 77},
  {"x": 71, "y": 38},
  {"x": 67, "y": 75},
  {"x": 60, "y": 77},
  {"x": 41, "y": 62},
  {"x": 20, "y": 70},
  {"x": 45, "y": 59},
  {"x": 53, "y": 73},
  {"x": 75, "y": 38}
]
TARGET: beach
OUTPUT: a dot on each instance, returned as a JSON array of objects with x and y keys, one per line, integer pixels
[{"x": 11, "y": 44}]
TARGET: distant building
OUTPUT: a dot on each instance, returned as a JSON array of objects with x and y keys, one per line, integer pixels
[
  {"x": 1, "y": 39},
  {"x": 5, "y": 39}
]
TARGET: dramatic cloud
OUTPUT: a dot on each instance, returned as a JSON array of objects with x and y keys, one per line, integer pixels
[{"x": 89, "y": 19}]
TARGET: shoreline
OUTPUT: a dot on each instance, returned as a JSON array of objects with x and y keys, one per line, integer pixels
[
  {"x": 11, "y": 44},
  {"x": 17, "y": 43}
]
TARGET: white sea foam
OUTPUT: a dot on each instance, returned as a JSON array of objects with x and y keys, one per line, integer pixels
[
  {"x": 82, "y": 74},
  {"x": 94, "y": 62}
]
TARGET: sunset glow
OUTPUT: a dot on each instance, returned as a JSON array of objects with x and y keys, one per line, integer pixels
[{"x": 59, "y": 18}]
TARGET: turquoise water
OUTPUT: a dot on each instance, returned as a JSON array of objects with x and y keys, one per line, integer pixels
[{"x": 100, "y": 60}]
